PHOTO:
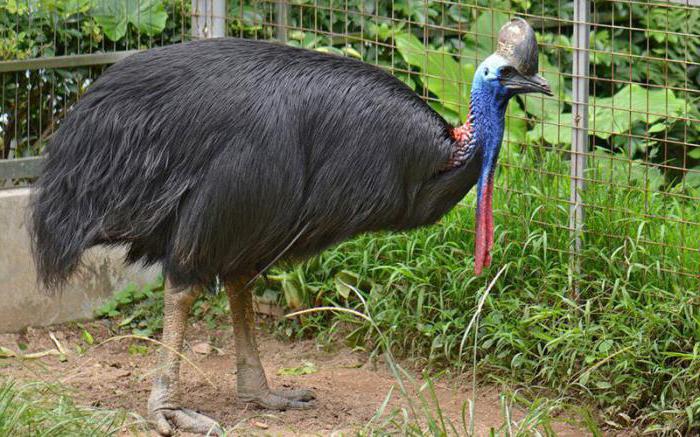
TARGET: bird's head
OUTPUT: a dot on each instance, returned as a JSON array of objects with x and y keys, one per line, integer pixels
[{"x": 510, "y": 71}]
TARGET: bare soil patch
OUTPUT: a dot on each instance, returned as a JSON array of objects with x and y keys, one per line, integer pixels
[{"x": 349, "y": 388}]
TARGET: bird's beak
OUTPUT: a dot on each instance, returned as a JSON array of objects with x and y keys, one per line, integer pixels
[{"x": 520, "y": 84}]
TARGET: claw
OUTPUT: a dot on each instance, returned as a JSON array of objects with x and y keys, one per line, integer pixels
[{"x": 184, "y": 419}]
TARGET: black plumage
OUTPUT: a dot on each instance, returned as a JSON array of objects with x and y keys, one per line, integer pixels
[{"x": 214, "y": 156}]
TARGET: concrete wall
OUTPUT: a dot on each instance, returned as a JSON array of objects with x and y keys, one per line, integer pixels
[{"x": 22, "y": 304}]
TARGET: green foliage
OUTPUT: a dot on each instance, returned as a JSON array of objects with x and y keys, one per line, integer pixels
[
  {"x": 148, "y": 16},
  {"x": 32, "y": 103},
  {"x": 632, "y": 105},
  {"x": 443, "y": 76},
  {"x": 138, "y": 310},
  {"x": 633, "y": 120},
  {"x": 44, "y": 410}
]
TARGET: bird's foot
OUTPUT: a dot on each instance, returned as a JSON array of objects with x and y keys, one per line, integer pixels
[
  {"x": 168, "y": 417},
  {"x": 282, "y": 399},
  {"x": 167, "y": 420}
]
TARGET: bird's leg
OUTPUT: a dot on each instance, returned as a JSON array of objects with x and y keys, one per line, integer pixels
[
  {"x": 164, "y": 401},
  {"x": 251, "y": 380}
]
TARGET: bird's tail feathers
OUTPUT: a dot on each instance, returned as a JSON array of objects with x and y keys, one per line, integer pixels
[{"x": 59, "y": 232}]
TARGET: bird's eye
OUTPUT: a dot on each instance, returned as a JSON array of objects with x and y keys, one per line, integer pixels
[{"x": 486, "y": 71}]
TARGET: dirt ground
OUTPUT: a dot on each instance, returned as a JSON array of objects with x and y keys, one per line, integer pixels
[{"x": 349, "y": 388}]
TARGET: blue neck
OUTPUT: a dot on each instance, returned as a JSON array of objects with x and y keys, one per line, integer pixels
[{"x": 487, "y": 115}]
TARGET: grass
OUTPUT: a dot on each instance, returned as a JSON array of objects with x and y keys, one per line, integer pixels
[
  {"x": 45, "y": 410},
  {"x": 423, "y": 414},
  {"x": 626, "y": 343},
  {"x": 620, "y": 338}
]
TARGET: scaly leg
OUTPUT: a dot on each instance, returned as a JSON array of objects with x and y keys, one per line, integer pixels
[
  {"x": 164, "y": 402},
  {"x": 252, "y": 383}
]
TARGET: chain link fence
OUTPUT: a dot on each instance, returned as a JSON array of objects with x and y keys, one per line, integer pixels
[{"x": 610, "y": 162}]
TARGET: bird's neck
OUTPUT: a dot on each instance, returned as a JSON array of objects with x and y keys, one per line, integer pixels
[
  {"x": 487, "y": 113},
  {"x": 482, "y": 131}
]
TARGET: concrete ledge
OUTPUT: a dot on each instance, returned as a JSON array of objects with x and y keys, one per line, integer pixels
[{"x": 22, "y": 304}]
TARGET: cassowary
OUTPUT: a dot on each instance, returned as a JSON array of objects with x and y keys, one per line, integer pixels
[{"x": 215, "y": 158}]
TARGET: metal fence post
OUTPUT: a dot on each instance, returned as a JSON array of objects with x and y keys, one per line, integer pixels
[
  {"x": 282, "y": 20},
  {"x": 208, "y": 18},
  {"x": 579, "y": 140}
]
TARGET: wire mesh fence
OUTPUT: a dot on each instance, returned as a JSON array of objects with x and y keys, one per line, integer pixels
[{"x": 635, "y": 164}]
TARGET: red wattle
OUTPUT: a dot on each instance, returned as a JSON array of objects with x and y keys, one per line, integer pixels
[{"x": 484, "y": 228}]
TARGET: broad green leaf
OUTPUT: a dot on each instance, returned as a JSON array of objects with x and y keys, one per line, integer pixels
[
  {"x": 451, "y": 116},
  {"x": 419, "y": 10},
  {"x": 406, "y": 78},
  {"x": 583, "y": 379},
  {"x": 630, "y": 105},
  {"x": 383, "y": 31},
  {"x": 148, "y": 16},
  {"x": 658, "y": 127},
  {"x": 608, "y": 115},
  {"x": 605, "y": 346},
  {"x": 440, "y": 72},
  {"x": 349, "y": 51},
  {"x": 69, "y": 7},
  {"x": 695, "y": 153},
  {"x": 345, "y": 281},
  {"x": 481, "y": 40},
  {"x": 297, "y": 35},
  {"x": 292, "y": 294},
  {"x": 692, "y": 178},
  {"x": 111, "y": 15},
  {"x": 246, "y": 15}
]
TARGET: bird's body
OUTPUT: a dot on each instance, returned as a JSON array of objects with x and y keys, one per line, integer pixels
[
  {"x": 217, "y": 157},
  {"x": 198, "y": 158}
]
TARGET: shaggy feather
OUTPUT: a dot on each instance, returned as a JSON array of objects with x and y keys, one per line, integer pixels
[{"x": 211, "y": 156}]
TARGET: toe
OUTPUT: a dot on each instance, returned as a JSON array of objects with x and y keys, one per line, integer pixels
[
  {"x": 274, "y": 401},
  {"x": 198, "y": 423},
  {"x": 185, "y": 420},
  {"x": 161, "y": 423},
  {"x": 302, "y": 395},
  {"x": 300, "y": 405}
]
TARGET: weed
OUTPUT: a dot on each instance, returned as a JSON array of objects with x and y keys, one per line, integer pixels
[
  {"x": 45, "y": 410},
  {"x": 139, "y": 310},
  {"x": 423, "y": 414}
]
